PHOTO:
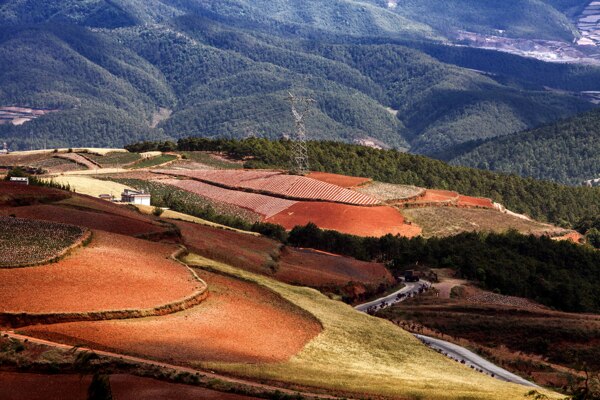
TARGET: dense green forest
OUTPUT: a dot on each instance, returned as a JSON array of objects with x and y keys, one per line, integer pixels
[
  {"x": 561, "y": 275},
  {"x": 567, "y": 151},
  {"x": 224, "y": 69},
  {"x": 542, "y": 200}
]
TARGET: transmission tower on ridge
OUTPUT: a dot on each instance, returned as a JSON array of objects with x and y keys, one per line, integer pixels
[{"x": 300, "y": 109}]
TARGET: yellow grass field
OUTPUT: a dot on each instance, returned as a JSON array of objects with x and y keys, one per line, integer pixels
[
  {"x": 362, "y": 354},
  {"x": 90, "y": 186}
]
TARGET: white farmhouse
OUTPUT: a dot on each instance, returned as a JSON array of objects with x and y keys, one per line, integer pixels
[{"x": 135, "y": 197}]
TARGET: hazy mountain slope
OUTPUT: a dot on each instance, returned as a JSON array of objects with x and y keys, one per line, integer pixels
[
  {"x": 567, "y": 151},
  {"x": 225, "y": 68}
]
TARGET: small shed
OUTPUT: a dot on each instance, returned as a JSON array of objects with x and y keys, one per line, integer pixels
[
  {"x": 19, "y": 180},
  {"x": 136, "y": 197},
  {"x": 107, "y": 197}
]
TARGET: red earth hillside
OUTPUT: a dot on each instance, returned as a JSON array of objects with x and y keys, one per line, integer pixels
[{"x": 354, "y": 220}]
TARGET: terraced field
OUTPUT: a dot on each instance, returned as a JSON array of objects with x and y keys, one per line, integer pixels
[
  {"x": 113, "y": 273},
  {"x": 279, "y": 184},
  {"x": 25, "y": 242}
]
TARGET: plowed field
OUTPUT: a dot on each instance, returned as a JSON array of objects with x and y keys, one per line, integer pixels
[
  {"x": 312, "y": 268},
  {"x": 239, "y": 322},
  {"x": 279, "y": 184},
  {"x": 89, "y": 219},
  {"x": 355, "y": 220},
  {"x": 339, "y": 180},
  {"x": 13, "y": 194},
  {"x": 437, "y": 196},
  {"x": 114, "y": 272},
  {"x": 253, "y": 253},
  {"x": 261, "y": 204}
]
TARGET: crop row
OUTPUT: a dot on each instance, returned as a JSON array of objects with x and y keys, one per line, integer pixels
[
  {"x": 261, "y": 204},
  {"x": 279, "y": 184}
]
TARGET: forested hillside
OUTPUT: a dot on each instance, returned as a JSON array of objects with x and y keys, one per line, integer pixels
[
  {"x": 225, "y": 68},
  {"x": 567, "y": 151}
]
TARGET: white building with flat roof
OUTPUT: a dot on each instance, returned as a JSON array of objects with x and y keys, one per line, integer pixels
[{"x": 136, "y": 197}]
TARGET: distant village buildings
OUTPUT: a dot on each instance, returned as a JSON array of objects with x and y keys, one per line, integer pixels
[{"x": 136, "y": 197}]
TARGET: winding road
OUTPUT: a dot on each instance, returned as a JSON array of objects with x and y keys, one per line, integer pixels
[
  {"x": 410, "y": 289},
  {"x": 450, "y": 350}
]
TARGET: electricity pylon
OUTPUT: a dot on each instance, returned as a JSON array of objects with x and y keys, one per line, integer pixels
[{"x": 300, "y": 109}]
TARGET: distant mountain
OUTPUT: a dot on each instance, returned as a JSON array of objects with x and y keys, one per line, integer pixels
[
  {"x": 224, "y": 68},
  {"x": 567, "y": 151}
]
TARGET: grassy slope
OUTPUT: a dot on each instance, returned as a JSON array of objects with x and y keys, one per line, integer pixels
[{"x": 362, "y": 354}]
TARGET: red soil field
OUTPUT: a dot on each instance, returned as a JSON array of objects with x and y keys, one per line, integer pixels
[
  {"x": 339, "y": 180},
  {"x": 574, "y": 237},
  {"x": 437, "y": 196},
  {"x": 17, "y": 194},
  {"x": 252, "y": 253},
  {"x": 129, "y": 387},
  {"x": 25, "y": 386},
  {"x": 239, "y": 322},
  {"x": 113, "y": 273},
  {"x": 278, "y": 184},
  {"x": 479, "y": 202},
  {"x": 312, "y": 268},
  {"x": 355, "y": 220},
  {"x": 89, "y": 219}
]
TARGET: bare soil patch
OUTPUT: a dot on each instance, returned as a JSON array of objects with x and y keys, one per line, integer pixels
[
  {"x": 477, "y": 202},
  {"x": 239, "y": 322},
  {"x": 355, "y": 220},
  {"x": 113, "y": 273},
  {"x": 254, "y": 253},
  {"x": 339, "y": 180},
  {"x": 312, "y": 268},
  {"x": 14, "y": 194}
]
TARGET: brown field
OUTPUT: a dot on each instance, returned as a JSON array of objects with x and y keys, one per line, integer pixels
[
  {"x": 253, "y": 253},
  {"x": 129, "y": 387},
  {"x": 449, "y": 221},
  {"x": 339, "y": 180},
  {"x": 436, "y": 196},
  {"x": 13, "y": 194},
  {"x": 26, "y": 386},
  {"x": 79, "y": 159},
  {"x": 313, "y": 268},
  {"x": 113, "y": 273},
  {"x": 239, "y": 322},
  {"x": 355, "y": 220},
  {"x": 82, "y": 211},
  {"x": 30, "y": 386}
]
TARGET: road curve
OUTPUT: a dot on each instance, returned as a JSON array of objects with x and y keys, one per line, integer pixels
[
  {"x": 410, "y": 288},
  {"x": 449, "y": 349},
  {"x": 473, "y": 360}
]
